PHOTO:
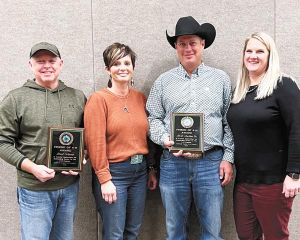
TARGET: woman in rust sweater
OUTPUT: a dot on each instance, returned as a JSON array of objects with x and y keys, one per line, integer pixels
[{"x": 116, "y": 129}]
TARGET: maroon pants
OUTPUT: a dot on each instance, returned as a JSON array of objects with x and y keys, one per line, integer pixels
[{"x": 261, "y": 210}]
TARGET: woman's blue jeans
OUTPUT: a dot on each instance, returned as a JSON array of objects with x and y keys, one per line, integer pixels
[
  {"x": 48, "y": 214},
  {"x": 182, "y": 180},
  {"x": 123, "y": 219}
]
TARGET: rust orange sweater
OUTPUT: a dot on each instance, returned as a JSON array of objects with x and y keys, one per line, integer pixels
[{"x": 111, "y": 133}]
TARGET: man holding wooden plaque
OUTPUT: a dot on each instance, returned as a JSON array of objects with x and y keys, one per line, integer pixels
[
  {"x": 41, "y": 135},
  {"x": 187, "y": 113}
]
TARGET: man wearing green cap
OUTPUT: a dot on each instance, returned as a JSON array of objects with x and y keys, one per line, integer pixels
[{"x": 47, "y": 199}]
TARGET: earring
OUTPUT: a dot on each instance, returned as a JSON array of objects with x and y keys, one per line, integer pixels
[
  {"x": 132, "y": 82},
  {"x": 109, "y": 84}
]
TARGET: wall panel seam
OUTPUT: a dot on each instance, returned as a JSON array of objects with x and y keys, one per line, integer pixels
[
  {"x": 275, "y": 16},
  {"x": 93, "y": 47}
]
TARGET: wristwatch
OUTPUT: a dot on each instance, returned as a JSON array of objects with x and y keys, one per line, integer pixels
[{"x": 295, "y": 176}]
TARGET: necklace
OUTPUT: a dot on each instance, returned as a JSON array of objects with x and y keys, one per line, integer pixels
[
  {"x": 123, "y": 99},
  {"x": 252, "y": 88},
  {"x": 125, "y": 107}
]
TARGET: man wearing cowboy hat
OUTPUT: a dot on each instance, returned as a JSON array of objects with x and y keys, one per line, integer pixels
[{"x": 193, "y": 87}]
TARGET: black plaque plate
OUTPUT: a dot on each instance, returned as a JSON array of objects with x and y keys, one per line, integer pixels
[
  {"x": 65, "y": 149},
  {"x": 187, "y": 132}
]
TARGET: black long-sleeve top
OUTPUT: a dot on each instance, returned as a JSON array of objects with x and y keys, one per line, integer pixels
[
  {"x": 155, "y": 152},
  {"x": 267, "y": 135}
]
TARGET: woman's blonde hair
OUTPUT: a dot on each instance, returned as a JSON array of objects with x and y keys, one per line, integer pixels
[{"x": 271, "y": 77}]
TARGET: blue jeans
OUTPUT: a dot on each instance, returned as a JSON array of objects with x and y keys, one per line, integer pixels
[
  {"x": 48, "y": 214},
  {"x": 123, "y": 219},
  {"x": 182, "y": 180}
]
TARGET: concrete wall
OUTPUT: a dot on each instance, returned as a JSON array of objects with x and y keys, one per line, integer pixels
[{"x": 82, "y": 29}]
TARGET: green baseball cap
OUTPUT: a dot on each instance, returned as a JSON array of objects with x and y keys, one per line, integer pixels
[{"x": 44, "y": 46}]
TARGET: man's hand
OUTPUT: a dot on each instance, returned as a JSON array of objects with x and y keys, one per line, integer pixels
[
  {"x": 41, "y": 172},
  {"x": 168, "y": 144},
  {"x": 181, "y": 153},
  {"x": 226, "y": 172},
  {"x": 74, "y": 173},
  {"x": 70, "y": 173},
  {"x": 109, "y": 192},
  {"x": 290, "y": 187}
]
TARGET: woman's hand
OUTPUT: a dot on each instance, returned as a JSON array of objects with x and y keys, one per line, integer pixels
[
  {"x": 152, "y": 180},
  {"x": 109, "y": 192},
  {"x": 290, "y": 187}
]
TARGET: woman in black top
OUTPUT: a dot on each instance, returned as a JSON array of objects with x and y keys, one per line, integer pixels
[{"x": 265, "y": 120}]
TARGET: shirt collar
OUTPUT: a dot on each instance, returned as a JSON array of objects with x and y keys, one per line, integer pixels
[{"x": 182, "y": 72}]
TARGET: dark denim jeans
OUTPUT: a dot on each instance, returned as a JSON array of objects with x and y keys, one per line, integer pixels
[
  {"x": 182, "y": 180},
  {"x": 123, "y": 219}
]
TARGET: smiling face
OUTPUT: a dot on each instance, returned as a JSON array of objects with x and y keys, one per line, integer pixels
[
  {"x": 122, "y": 70},
  {"x": 256, "y": 58},
  {"x": 189, "y": 50},
  {"x": 46, "y": 68}
]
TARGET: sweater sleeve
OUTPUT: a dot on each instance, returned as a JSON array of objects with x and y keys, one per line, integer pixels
[
  {"x": 9, "y": 132},
  {"x": 95, "y": 136},
  {"x": 289, "y": 103}
]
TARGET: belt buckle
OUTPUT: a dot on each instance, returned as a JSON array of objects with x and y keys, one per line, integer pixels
[
  {"x": 195, "y": 156},
  {"x": 135, "y": 159}
]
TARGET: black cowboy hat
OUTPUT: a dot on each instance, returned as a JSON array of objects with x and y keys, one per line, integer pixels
[{"x": 189, "y": 26}]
